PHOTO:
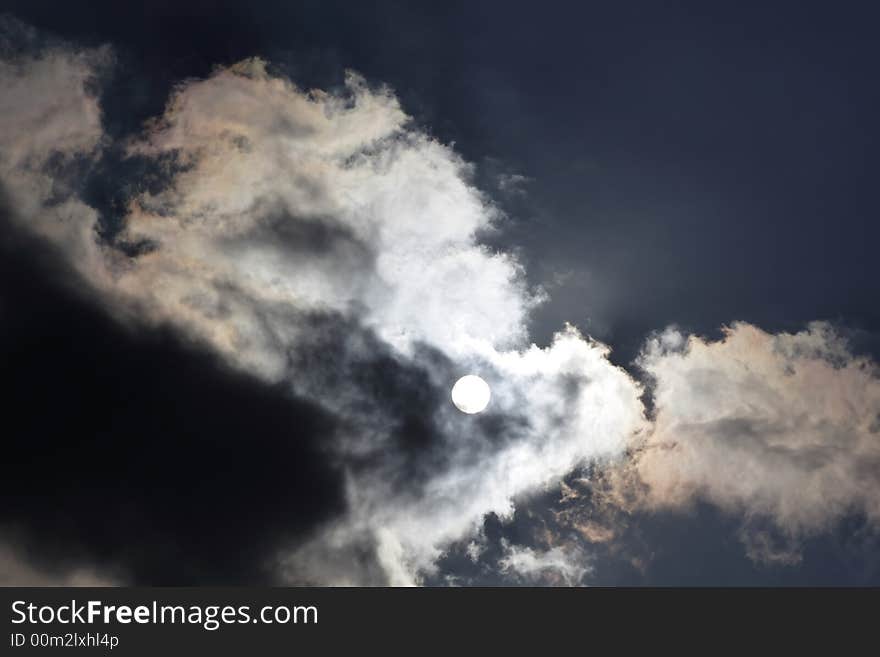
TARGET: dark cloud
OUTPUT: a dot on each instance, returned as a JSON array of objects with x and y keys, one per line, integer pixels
[{"x": 141, "y": 451}]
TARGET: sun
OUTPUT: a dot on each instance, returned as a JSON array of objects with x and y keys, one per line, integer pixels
[{"x": 471, "y": 394}]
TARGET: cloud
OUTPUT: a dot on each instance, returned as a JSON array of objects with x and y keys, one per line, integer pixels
[
  {"x": 784, "y": 426},
  {"x": 325, "y": 201},
  {"x": 15, "y": 571},
  {"x": 552, "y": 410},
  {"x": 50, "y": 130},
  {"x": 779, "y": 430},
  {"x": 137, "y": 455},
  {"x": 320, "y": 242},
  {"x": 555, "y": 566},
  {"x": 262, "y": 164}
]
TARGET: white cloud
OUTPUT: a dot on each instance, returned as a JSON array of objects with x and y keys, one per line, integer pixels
[
  {"x": 390, "y": 211},
  {"x": 555, "y": 566},
  {"x": 779, "y": 427}
]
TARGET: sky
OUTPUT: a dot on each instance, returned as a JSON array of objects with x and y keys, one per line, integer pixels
[{"x": 248, "y": 248}]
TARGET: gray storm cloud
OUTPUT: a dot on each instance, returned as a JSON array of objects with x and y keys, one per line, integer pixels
[{"x": 283, "y": 204}]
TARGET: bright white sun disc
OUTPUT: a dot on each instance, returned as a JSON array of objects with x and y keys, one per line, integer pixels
[{"x": 471, "y": 394}]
